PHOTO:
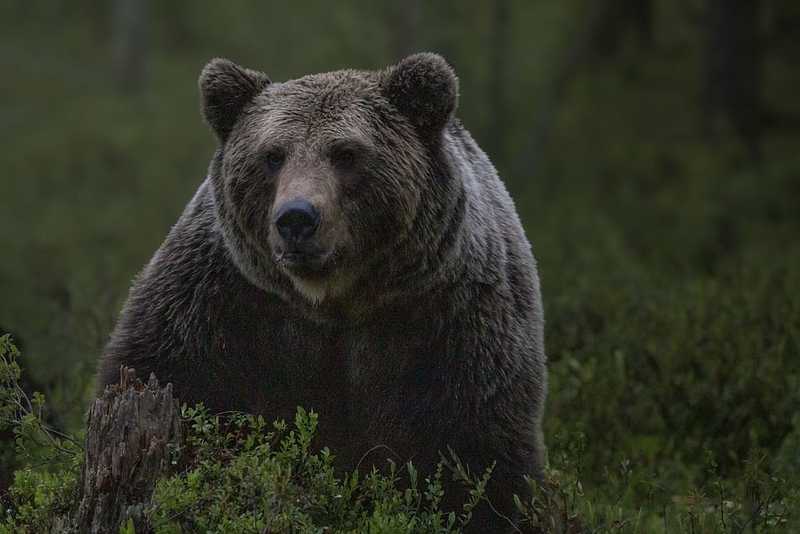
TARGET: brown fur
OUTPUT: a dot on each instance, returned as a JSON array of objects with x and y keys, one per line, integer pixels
[{"x": 418, "y": 324}]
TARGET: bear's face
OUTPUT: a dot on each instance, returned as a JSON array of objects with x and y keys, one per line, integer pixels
[{"x": 315, "y": 177}]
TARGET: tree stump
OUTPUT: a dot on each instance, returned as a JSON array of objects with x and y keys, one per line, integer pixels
[{"x": 131, "y": 433}]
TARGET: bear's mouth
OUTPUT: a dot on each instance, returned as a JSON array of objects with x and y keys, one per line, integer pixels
[{"x": 303, "y": 263}]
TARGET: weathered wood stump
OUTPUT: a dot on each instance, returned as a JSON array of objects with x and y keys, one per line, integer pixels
[{"x": 130, "y": 433}]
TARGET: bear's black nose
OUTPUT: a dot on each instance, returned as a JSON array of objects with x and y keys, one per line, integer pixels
[{"x": 297, "y": 220}]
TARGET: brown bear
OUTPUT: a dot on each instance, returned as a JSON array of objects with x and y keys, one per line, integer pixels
[{"x": 352, "y": 251}]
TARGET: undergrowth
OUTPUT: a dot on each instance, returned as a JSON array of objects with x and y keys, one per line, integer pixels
[{"x": 237, "y": 473}]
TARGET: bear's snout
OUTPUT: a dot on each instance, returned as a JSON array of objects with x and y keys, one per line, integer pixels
[{"x": 297, "y": 222}]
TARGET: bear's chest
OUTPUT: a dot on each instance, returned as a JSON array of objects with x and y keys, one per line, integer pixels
[{"x": 369, "y": 384}]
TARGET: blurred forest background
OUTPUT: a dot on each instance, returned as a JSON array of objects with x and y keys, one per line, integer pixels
[{"x": 652, "y": 148}]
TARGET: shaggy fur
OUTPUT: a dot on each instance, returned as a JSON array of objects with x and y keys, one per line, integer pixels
[{"x": 419, "y": 324}]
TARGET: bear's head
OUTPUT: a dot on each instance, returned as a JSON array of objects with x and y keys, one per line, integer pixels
[{"x": 330, "y": 184}]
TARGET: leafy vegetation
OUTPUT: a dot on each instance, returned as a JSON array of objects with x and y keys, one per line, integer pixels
[
  {"x": 243, "y": 478},
  {"x": 669, "y": 256},
  {"x": 235, "y": 473},
  {"x": 44, "y": 487}
]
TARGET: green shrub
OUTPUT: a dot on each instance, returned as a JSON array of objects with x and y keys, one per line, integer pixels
[
  {"x": 245, "y": 477},
  {"x": 665, "y": 374},
  {"x": 44, "y": 488},
  {"x": 237, "y": 473}
]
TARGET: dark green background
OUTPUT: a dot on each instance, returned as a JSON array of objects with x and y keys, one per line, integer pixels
[{"x": 652, "y": 147}]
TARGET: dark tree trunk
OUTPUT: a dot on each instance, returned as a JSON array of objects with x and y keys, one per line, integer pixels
[
  {"x": 642, "y": 17},
  {"x": 598, "y": 37},
  {"x": 129, "y": 44},
  {"x": 578, "y": 52},
  {"x": 617, "y": 18},
  {"x": 130, "y": 431},
  {"x": 403, "y": 21},
  {"x": 732, "y": 70},
  {"x": 498, "y": 81}
]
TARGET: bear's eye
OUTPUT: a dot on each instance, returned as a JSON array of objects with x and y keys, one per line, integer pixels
[
  {"x": 344, "y": 157},
  {"x": 275, "y": 159}
]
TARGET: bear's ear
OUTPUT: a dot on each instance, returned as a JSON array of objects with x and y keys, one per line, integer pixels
[
  {"x": 225, "y": 89},
  {"x": 424, "y": 88}
]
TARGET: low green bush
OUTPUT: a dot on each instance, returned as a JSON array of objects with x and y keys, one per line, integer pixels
[{"x": 236, "y": 473}]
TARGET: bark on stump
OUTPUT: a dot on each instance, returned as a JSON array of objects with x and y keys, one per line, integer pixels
[{"x": 131, "y": 431}]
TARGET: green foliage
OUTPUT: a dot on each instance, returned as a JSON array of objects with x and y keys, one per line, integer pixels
[
  {"x": 715, "y": 360},
  {"x": 237, "y": 473},
  {"x": 632, "y": 499},
  {"x": 39, "y": 500},
  {"x": 10, "y": 373},
  {"x": 44, "y": 488},
  {"x": 243, "y": 476},
  {"x": 35, "y": 440},
  {"x": 128, "y": 527}
]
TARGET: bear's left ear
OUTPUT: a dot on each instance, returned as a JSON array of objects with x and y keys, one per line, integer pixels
[
  {"x": 424, "y": 88},
  {"x": 225, "y": 89}
]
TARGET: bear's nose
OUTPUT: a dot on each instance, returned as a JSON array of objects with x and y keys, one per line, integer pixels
[{"x": 296, "y": 221}]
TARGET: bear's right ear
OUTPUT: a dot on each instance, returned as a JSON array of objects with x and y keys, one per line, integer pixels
[{"x": 225, "y": 89}]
